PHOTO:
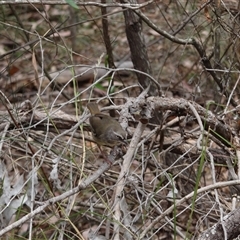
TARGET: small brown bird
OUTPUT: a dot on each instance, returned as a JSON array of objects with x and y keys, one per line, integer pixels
[{"x": 105, "y": 129}]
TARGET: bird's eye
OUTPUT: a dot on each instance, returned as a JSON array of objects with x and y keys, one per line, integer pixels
[{"x": 119, "y": 137}]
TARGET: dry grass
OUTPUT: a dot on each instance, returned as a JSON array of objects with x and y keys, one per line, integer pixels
[{"x": 46, "y": 147}]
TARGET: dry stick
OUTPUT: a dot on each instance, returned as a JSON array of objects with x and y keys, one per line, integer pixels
[
  {"x": 217, "y": 128},
  {"x": 123, "y": 175},
  {"x": 82, "y": 185},
  {"x": 31, "y": 44},
  {"x": 231, "y": 94},
  {"x": 231, "y": 221},
  {"x": 236, "y": 139},
  {"x": 200, "y": 147},
  {"x": 78, "y": 2},
  {"x": 196, "y": 44},
  {"x": 4, "y": 101},
  {"x": 184, "y": 199}
]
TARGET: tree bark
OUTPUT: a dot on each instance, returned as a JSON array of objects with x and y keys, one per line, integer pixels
[{"x": 138, "y": 48}]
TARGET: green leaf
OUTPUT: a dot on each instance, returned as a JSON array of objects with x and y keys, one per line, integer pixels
[
  {"x": 112, "y": 89},
  {"x": 72, "y": 4},
  {"x": 99, "y": 86},
  {"x": 106, "y": 63}
]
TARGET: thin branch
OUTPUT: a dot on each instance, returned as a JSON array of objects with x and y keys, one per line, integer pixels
[
  {"x": 78, "y": 2},
  {"x": 184, "y": 199}
]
